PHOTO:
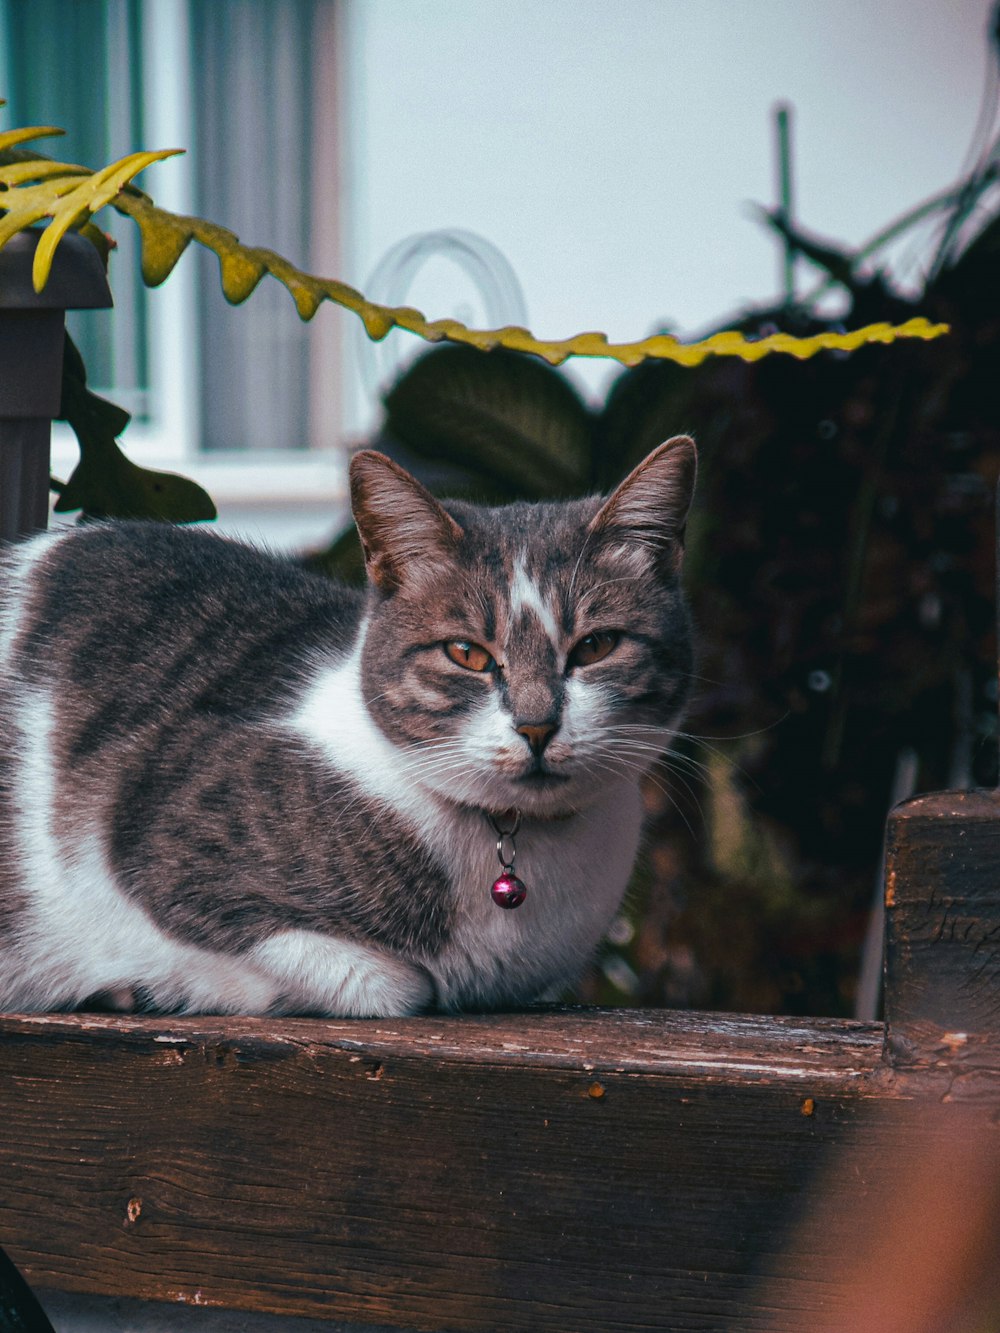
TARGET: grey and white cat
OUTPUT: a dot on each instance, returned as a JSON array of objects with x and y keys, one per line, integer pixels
[{"x": 228, "y": 785}]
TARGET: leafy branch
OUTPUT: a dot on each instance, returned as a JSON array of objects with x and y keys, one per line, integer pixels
[{"x": 38, "y": 187}]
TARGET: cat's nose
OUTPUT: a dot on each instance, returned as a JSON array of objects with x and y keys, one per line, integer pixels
[{"x": 537, "y": 734}]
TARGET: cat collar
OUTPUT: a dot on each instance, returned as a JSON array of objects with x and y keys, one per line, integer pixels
[{"x": 507, "y": 891}]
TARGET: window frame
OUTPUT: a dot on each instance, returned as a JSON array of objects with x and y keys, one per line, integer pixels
[{"x": 168, "y": 436}]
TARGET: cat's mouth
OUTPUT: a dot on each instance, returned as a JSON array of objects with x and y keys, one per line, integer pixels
[
  {"x": 542, "y": 793},
  {"x": 541, "y": 779}
]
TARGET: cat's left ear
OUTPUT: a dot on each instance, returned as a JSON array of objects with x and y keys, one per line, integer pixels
[
  {"x": 403, "y": 529},
  {"x": 650, "y": 506}
]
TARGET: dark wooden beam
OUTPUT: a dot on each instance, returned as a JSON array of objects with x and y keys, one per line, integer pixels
[{"x": 580, "y": 1170}]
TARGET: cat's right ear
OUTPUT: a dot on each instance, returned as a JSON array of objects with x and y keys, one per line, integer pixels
[
  {"x": 403, "y": 529},
  {"x": 649, "y": 508}
]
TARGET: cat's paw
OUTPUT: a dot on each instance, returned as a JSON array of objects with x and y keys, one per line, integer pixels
[{"x": 340, "y": 978}]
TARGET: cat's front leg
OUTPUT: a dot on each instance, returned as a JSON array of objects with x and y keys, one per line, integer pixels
[{"x": 341, "y": 978}]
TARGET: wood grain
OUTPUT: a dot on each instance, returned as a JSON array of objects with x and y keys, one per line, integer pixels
[
  {"x": 943, "y": 929},
  {"x": 552, "y": 1171}
]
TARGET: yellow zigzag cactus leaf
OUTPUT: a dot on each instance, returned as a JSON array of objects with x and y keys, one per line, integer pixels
[
  {"x": 39, "y": 188},
  {"x": 165, "y": 236},
  {"x": 66, "y": 194}
]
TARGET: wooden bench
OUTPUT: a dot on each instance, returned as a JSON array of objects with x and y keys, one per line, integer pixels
[{"x": 560, "y": 1169}]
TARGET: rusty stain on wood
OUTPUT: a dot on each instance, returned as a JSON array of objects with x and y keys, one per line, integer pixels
[
  {"x": 954, "y": 1041},
  {"x": 890, "y": 889}
]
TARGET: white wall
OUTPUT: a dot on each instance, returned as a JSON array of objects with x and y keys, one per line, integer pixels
[{"x": 609, "y": 149}]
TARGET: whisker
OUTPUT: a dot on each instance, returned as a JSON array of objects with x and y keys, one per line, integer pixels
[
  {"x": 657, "y": 749},
  {"x": 700, "y": 741},
  {"x": 610, "y": 767},
  {"x": 576, "y": 568},
  {"x": 739, "y": 736},
  {"x": 649, "y": 772}
]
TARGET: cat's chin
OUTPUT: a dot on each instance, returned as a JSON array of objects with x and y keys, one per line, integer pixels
[
  {"x": 534, "y": 805},
  {"x": 543, "y": 796},
  {"x": 540, "y": 793}
]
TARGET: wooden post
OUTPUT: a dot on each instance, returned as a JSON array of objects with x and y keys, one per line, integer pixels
[
  {"x": 31, "y": 354},
  {"x": 943, "y": 925},
  {"x": 942, "y": 897}
]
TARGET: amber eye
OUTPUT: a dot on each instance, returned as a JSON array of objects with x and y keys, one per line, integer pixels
[
  {"x": 469, "y": 655},
  {"x": 593, "y": 647}
]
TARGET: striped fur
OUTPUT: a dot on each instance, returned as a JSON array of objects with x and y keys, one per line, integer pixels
[{"x": 229, "y": 785}]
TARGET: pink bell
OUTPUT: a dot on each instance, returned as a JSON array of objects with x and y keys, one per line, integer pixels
[{"x": 508, "y": 891}]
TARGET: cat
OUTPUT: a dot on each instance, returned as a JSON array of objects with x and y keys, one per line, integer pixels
[{"x": 229, "y": 785}]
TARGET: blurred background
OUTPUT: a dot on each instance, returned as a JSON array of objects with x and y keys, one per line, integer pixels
[
  {"x": 573, "y": 165},
  {"x": 609, "y": 153}
]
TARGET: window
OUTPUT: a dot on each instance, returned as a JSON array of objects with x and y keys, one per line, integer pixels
[{"x": 251, "y": 90}]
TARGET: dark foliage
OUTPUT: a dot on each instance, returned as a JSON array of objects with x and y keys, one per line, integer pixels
[{"x": 841, "y": 570}]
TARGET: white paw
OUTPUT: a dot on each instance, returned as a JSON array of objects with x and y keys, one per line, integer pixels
[{"x": 341, "y": 978}]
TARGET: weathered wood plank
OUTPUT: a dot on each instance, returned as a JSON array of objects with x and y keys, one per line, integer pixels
[
  {"x": 649, "y": 1041},
  {"x": 545, "y": 1171},
  {"x": 72, "y": 1312},
  {"x": 943, "y": 930}
]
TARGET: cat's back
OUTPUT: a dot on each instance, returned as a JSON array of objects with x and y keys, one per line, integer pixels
[{"x": 147, "y": 611}]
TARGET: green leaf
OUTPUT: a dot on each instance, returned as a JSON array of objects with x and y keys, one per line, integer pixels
[
  {"x": 19, "y": 169},
  {"x": 11, "y": 137},
  {"x": 645, "y": 405},
  {"x": 87, "y": 195},
  {"x": 166, "y": 235},
  {"x": 507, "y": 419},
  {"x": 106, "y": 484},
  {"x": 69, "y": 195}
]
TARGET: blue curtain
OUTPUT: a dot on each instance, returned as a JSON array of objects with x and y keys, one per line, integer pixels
[{"x": 75, "y": 65}]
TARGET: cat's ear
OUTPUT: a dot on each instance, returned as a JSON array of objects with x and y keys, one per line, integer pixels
[
  {"x": 403, "y": 529},
  {"x": 650, "y": 507}
]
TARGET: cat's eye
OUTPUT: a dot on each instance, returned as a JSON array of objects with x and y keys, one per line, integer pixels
[
  {"x": 469, "y": 655},
  {"x": 594, "y": 647}
]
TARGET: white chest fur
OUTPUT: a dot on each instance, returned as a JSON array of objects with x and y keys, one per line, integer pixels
[
  {"x": 576, "y": 871},
  {"x": 576, "y": 867}
]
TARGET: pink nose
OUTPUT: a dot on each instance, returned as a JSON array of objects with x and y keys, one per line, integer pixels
[{"x": 537, "y": 734}]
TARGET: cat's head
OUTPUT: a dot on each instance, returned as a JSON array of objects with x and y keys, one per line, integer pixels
[{"x": 529, "y": 655}]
